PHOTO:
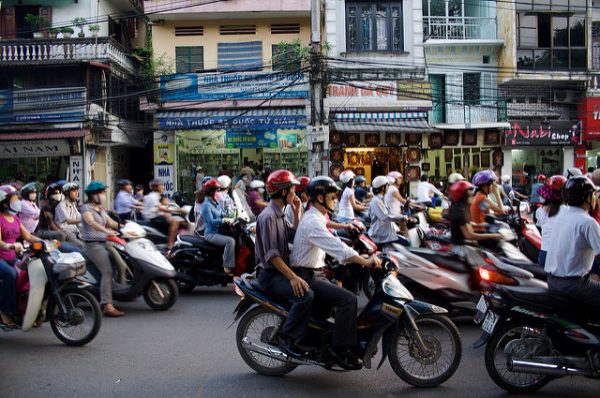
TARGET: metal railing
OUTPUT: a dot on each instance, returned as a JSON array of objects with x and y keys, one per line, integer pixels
[
  {"x": 39, "y": 51},
  {"x": 459, "y": 28}
]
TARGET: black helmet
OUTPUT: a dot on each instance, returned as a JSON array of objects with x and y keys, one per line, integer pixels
[
  {"x": 52, "y": 189},
  {"x": 577, "y": 189},
  {"x": 28, "y": 188},
  {"x": 321, "y": 186}
]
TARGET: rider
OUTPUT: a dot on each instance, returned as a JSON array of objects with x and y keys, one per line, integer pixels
[
  {"x": 301, "y": 193},
  {"x": 30, "y": 214},
  {"x": 486, "y": 183},
  {"x": 11, "y": 229},
  {"x": 312, "y": 241},
  {"x": 535, "y": 195},
  {"x": 573, "y": 246},
  {"x": 426, "y": 190},
  {"x": 393, "y": 199},
  {"x": 273, "y": 235},
  {"x": 348, "y": 202},
  {"x": 97, "y": 226},
  {"x": 213, "y": 218},
  {"x": 152, "y": 209},
  {"x": 509, "y": 191},
  {"x": 255, "y": 197},
  {"x": 125, "y": 203},
  {"x": 226, "y": 201},
  {"x": 453, "y": 178},
  {"x": 546, "y": 215},
  {"x": 382, "y": 230},
  {"x": 47, "y": 228},
  {"x": 66, "y": 214},
  {"x": 360, "y": 190}
]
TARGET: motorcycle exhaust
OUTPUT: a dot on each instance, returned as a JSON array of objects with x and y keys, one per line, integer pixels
[
  {"x": 536, "y": 367},
  {"x": 274, "y": 352}
]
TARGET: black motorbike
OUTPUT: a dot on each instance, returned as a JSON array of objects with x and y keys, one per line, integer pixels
[
  {"x": 200, "y": 263},
  {"x": 534, "y": 336},
  {"x": 423, "y": 345}
]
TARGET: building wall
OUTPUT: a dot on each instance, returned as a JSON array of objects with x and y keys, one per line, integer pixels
[{"x": 164, "y": 40}]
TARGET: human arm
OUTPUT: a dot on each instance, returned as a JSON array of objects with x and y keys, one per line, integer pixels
[
  {"x": 373, "y": 261},
  {"x": 299, "y": 285},
  {"x": 63, "y": 218},
  {"x": 210, "y": 218},
  {"x": 470, "y": 234},
  {"x": 381, "y": 212},
  {"x": 396, "y": 195},
  {"x": 336, "y": 225},
  {"x": 497, "y": 207},
  {"x": 433, "y": 189},
  {"x": 355, "y": 205},
  {"x": 26, "y": 235}
]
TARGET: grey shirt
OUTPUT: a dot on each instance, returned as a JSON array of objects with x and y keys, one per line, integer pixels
[
  {"x": 90, "y": 233},
  {"x": 273, "y": 236}
]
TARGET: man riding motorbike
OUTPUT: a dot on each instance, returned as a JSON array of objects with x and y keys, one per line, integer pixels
[
  {"x": 153, "y": 208},
  {"x": 125, "y": 203},
  {"x": 574, "y": 244},
  {"x": 301, "y": 193},
  {"x": 312, "y": 242},
  {"x": 66, "y": 214},
  {"x": 382, "y": 231}
]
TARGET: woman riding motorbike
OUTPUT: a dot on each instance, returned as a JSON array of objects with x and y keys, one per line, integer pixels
[
  {"x": 546, "y": 215},
  {"x": 348, "y": 203},
  {"x": 97, "y": 226},
  {"x": 486, "y": 183}
]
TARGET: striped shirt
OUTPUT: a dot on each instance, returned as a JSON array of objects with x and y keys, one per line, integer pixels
[{"x": 89, "y": 232}]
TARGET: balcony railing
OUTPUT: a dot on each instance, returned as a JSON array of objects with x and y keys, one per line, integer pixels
[
  {"x": 40, "y": 51},
  {"x": 459, "y": 28}
]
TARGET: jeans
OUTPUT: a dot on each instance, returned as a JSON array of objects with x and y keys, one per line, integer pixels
[
  {"x": 542, "y": 258},
  {"x": 8, "y": 288},
  {"x": 51, "y": 235},
  {"x": 97, "y": 253},
  {"x": 275, "y": 283},
  {"x": 584, "y": 289},
  {"x": 229, "y": 248}
]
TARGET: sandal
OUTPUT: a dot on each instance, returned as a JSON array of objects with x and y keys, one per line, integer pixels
[{"x": 7, "y": 322}]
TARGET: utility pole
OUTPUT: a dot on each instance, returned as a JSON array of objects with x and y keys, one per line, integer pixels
[{"x": 315, "y": 139}]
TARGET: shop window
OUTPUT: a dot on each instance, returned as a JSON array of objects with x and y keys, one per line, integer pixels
[
  {"x": 245, "y": 56},
  {"x": 189, "y": 59},
  {"x": 287, "y": 57},
  {"x": 472, "y": 88},
  {"x": 374, "y": 26}
]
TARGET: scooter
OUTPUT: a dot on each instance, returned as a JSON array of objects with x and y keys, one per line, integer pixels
[
  {"x": 159, "y": 238},
  {"x": 533, "y": 336},
  {"x": 49, "y": 289},
  {"x": 147, "y": 271},
  {"x": 422, "y": 344}
]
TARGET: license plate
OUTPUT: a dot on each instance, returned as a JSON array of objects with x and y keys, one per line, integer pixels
[
  {"x": 491, "y": 319},
  {"x": 482, "y": 305}
]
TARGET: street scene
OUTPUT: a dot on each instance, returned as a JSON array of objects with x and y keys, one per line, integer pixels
[{"x": 298, "y": 198}]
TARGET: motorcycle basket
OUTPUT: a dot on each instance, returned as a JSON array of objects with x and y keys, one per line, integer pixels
[{"x": 69, "y": 266}]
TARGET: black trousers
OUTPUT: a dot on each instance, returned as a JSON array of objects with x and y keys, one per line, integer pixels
[{"x": 584, "y": 289}]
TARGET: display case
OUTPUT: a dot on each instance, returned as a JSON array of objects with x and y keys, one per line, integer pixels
[
  {"x": 294, "y": 159},
  {"x": 211, "y": 161}
]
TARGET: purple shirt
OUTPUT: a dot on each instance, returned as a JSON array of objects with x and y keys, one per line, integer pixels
[
  {"x": 253, "y": 197},
  {"x": 273, "y": 236},
  {"x": 29, "y": 215},
  {"x": 11, "y": 231}
]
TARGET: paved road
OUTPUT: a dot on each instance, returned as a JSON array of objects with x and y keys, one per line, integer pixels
[{"x": 188, "y": 352}]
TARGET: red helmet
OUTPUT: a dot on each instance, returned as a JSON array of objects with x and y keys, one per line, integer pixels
[
  {"x": 280, "y": 179},
  {"x": 211, "y": 186},
  {"x": 459, "y": 190},
  {"x": 556, "y": 182},
  {"x": 541, "y": 178},
  {"x": 304, "y": 180}
]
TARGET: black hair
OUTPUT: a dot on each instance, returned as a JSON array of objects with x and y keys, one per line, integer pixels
[
  {"x": 590, "y": 169},
  {"x": 424, "y": 177},
  {"x": 138, "y": 187},
  {"x": 553, "y": 207}
]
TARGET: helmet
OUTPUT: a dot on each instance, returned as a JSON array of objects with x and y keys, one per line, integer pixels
[
  {"x": 576, "y": 190},
  {"x": 70, "y": 186},
  {"x": 7, "y": 192},
  {"x": 459, "y": 190},
  {"x": 52, "y": 189},
  {"x": 124, "y": 182},
  {"x": 321, "y": 186},
  {"x": 484, "y": 177},
  {"x": 95, "y": 187},
  {"x": 280, "y": 180},
  {"x": 455, "y": 177},
  {"x": 556, "y": 182},
  {"x": 156, "y": 182},
  {"x": 255, "y": 184},
  {"x": 224, "y": 181},
  {"x": 394, "y": 174},
  {"x": 304, "y": 180},
  {"x": 346, "y": 176},
  {"x": 542, "y": 178},
  {"x": 573, "y": 172},
  {"x": 205, "y": 179},
  {"x": 360, "y": 179},
  {"x": 506, "y": 178},
  {"x": 211, "y": 186},
  {"x": 28, "y": 188},
  {"x": 380, "y": 181}
]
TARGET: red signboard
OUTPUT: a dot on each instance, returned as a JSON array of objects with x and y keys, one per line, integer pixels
[{"x": 589, "y": 114}]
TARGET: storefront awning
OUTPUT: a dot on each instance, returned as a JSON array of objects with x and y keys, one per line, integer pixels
[
  {"x": 385, "y": 122},
  {"x": 235, "y": 119},
  {"x": 42, "y": 135}
]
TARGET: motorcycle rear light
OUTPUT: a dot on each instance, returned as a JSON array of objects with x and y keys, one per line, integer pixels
[
  {"x": 488, "y": 260},
  {"x": 493, "y": 276}
]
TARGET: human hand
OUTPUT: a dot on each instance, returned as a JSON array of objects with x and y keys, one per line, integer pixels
[
  {"x": 351, "y": 227},
  {"x": 18, "y": 247},
  {"x": 375, "y": 261},
  {"x": 227, "y": 221},
  {"x": 299, "y": 286},
  {"x": 112, "y": 232},
  {"x": 296, "y": 203}
]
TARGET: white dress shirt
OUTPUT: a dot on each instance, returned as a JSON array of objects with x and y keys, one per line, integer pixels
[
  {"x": 313, "y": 240},
  {"x": 425, "y": 191}
]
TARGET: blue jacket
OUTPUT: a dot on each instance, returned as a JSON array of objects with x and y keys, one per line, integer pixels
[{"x": 213, "y": 216}]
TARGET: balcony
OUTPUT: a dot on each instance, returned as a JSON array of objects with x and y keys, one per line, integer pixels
[
  {"x": 492, "y": 115},
  {"x": 459, "y": 28},
  {"x": 58, "y": 51}
]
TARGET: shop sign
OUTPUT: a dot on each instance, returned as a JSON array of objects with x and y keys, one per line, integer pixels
[
  {"x": 235, "y": 122},
  {"x": 539, "y": 133},
  {"x": 34, "y": 149},
  {"x": 43, "y": 105},
  {"x": 250, "y": 139},
  {"x": 589, "y": 114},
  {"x": 233, "y": 86},
  {"x": 76, "y": 169},
  {"x": 164, "y": 155},
  {"x": 401, "y": 95}
]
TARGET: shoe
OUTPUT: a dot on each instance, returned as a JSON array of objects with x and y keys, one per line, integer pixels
[
  {"x": 343, "y": 358},
  {"x": 112, "y": 312},
  {"x": 288, "y": 346}
]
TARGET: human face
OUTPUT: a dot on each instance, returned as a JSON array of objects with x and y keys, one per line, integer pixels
[
  {"x": 32, "y": 196},
  {"x": 128, "y": 188},
  {"x": 399, "y": 181},
  {"x": 331, "y": 200},
  {"x": 73, "y": 195},
  {"x": 289, "y": 198}
]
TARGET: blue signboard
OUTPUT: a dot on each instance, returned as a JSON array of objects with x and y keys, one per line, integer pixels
[
  {"x": 217, "y": 122},
  {"x": 43, "y": 105},
  {"x": 254, "y": 139}
]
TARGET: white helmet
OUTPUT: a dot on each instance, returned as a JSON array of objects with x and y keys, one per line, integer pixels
[
  {"x": 380, "y": 181},
  {"x": 573, "y": 172},
  {"x": 224, "y": 181},
  {"x": 455, "y": 177},
  {"x": 394, "y": 174},
  {"x": 506, "y": 178},
  {"x": 346, "y": 176},
  {"x": 255, "y": 184}
]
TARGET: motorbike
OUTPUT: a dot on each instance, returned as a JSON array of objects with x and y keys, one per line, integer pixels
[
  {"x": 422, "y": 344},
  {"x": 49, "y": 289},
  {"x": 200, "y": 263},
  {"x": 160, "y": 238},
  {"x": 147, "y": 271},
  {"x": 533, "y": 336},
  {"x": 529, "y": 237}
]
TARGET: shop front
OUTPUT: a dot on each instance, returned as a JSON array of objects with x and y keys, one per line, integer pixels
[{"x": 589, "y": 114}]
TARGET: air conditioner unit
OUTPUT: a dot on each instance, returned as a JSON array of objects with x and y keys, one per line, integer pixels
[{"x": 564, "y": 96}]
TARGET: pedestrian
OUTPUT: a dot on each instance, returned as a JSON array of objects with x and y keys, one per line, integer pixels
[{"x": 198, "y": 178}]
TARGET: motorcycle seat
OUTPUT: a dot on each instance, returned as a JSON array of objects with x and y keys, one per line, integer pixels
[
  {"x": 527, "y": 265},
  {"x": 200, "y": 243},
  {"x": 447, "y": 260},
  {"x": 539, "y": 297},
  {"x": 439, "y": 238}
]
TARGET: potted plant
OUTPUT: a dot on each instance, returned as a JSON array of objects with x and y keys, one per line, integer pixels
[
  {"x": 38, "y": 23},
  {"x": 52, "y": 33},
  {"x": 80, "y": 23},
  {"x": 94, "y": 29},
  {"x": 67, "y": 32}
]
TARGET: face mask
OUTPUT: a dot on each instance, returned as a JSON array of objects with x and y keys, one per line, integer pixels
[
  {"x": 102, "y": 198},
  {"x": 218, "y": 196},
  {"x": 15, "y": 207},
  {"x": 57, "y": 197},
  {"x": 32, "y": 196}
]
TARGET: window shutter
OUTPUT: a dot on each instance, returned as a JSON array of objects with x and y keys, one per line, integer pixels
[
  {"x": 454, "y": 89},
  {"x": 46, "y": 12},
  {"x": 244, "y": 56},
  {"x": 8, "y": 26}
]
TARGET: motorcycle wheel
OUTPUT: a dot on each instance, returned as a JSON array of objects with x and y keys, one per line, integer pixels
[
  {"x": 85, "y": 317},
  {"x": 442, "y": 338},
  {"x": 261, "y": 325},
  {"x": 518, "y": 339},
  {"x": 153, "y": 298}
]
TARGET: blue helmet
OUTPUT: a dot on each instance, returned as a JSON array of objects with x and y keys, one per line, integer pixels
[
  {"x": 360, "y": 179},
  {"x": 95, "y": 187}
]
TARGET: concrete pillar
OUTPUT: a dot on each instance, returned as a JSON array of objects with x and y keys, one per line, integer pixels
[
  {"x": 507, "y": 167},
  {"x": 568, "y": 158}
]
